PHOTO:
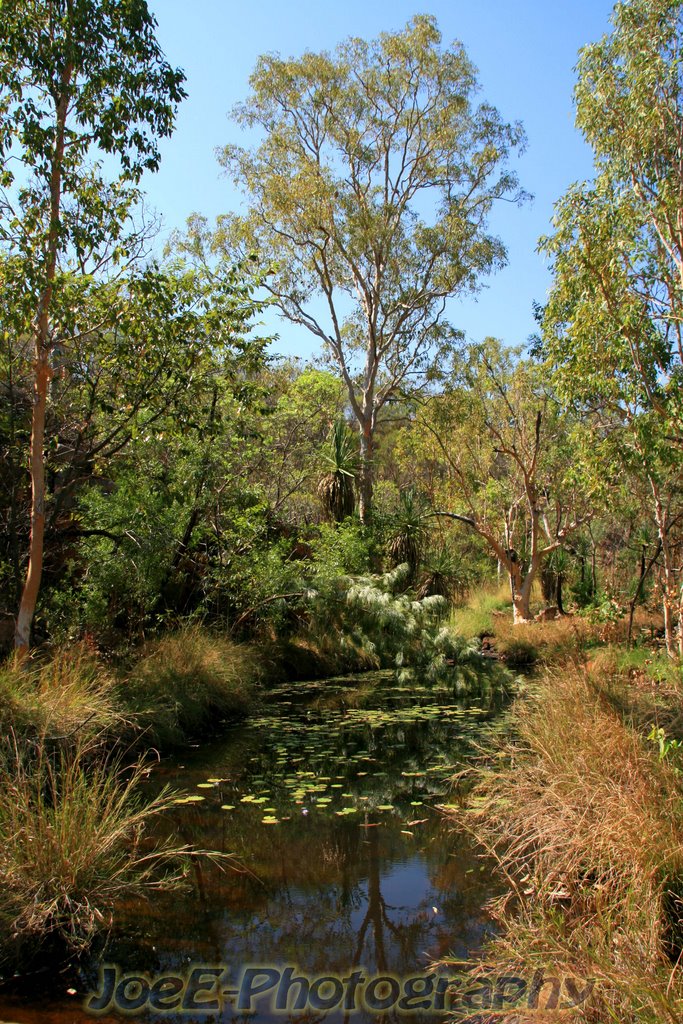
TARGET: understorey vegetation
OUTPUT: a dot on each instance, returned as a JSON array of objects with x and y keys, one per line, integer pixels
[
  {"x": 583, "y": 812},
  {"x": 188, "y": 518}
]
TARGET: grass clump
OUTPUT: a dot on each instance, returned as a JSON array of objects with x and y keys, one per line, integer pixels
[
  {"x": 586, "y": 821},
  {"x": 477, "y": 618},
  {"x": 71, "y": 843},
  {"x": 570, "y": 638},
  {"x": 187, "y": 682},
  {"x": 518, "y": 652},
  {"x": 558, "y": 642},
  {"x": 322, "y": 654},
  {"x": 638, "y": 664},
  {"x": 70, "y": 695}
]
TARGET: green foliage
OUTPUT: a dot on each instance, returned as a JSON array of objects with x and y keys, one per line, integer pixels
[
  {"x": 445, "y": 573},
  {"x": 354, "y": 148},
  {"x": 336, "y": 487},
  {"x": 283, "y": 436},
  {"x": 79, "y": 79},
  {"x": 603, "y": 609},
  {"x": 582, "y": 591},
  {"x": 475, "y": 617},
  {"x": 407, "y": 527},
  {"x": 612, "y": 326},
  {"x": 506, "y": 460},
  {"x": 134, "y": 528},
  {"x": 326, "y": 120},
  {"x": 370, "y": 614},
  {"x": 344, "y": 550},
  {"x": 76, "y": 78},
  {"x": 666, "y": 745}
]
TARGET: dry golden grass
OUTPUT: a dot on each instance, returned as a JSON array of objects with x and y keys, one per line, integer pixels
[
  {"x": 71, "y": 826},
  {"x": 488, "y": 612},
  {"x": 586, "y": 821},
  {"x": 561, "y": 638},
  {"x": 69, "y": 695},
  {"x": 183, "y": 683},
  {"x": 70, "y": 844},
  {"x": 188, "y": 681}
]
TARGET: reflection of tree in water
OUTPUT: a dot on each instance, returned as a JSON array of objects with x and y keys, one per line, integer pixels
[
  {"x": 345, "y": 922},
  {"x": 376, "y": 915},
  {"x": 343, "y": 919},
  {"x": 326, "y": 893}
]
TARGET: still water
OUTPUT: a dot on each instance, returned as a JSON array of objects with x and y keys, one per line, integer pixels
[{"x": 328, "y": 803}]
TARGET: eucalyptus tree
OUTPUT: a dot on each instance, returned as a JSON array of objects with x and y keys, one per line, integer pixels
[
  {"x": 613, "y": 326},
  {"x": 369, "y": 194},
  {"x": 507, "y": 457},
  {"x": 78, "y": 78}
]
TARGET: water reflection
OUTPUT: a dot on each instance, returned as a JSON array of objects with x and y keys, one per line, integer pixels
[{"x": 329, "y": 806}]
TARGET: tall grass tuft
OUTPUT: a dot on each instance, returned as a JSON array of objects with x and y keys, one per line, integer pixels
[
  {"x": 475, "y": 618},
  {"x": 187, "y": 682},
  {"x": 69, "y": 695},
  {"x": 71, "y": 843},
  {"x": 586, "y": 821}
]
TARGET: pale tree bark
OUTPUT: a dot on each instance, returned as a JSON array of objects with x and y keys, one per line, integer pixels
[
  {"x": 29, "y": 596},
  {"x": 366, "y": 474},
  {"x": 521, "y": 601},
  {"x": 521, "y": 582},
  {"x": 41, "y": 380},
  {"x": 522, "y": 585},
  {"x": 670, "y": 596}
]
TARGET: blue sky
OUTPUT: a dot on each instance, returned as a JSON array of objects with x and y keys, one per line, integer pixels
[{"x": 525, "y": 53}]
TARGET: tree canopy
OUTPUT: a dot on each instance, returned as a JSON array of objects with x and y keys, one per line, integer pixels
[
  {"x": 368, "y": 195},
  {"x": 77, "y": 77},
  {"x": 613, "y": 325}
]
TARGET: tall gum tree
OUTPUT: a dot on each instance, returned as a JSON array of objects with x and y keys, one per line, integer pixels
[
  {"x": 369, "y": 193},
  {"x": 77, "y": 77},
  {"x": 613, "y": 326}
]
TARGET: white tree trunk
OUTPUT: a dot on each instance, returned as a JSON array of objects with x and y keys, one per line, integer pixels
[{"x": 365, "y": 479}]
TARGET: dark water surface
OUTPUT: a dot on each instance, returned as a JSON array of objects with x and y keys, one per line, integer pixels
[{"x": 328, "y": 801}]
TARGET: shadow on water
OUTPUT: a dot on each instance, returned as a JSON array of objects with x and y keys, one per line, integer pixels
[{"x": 328, "y": 801}]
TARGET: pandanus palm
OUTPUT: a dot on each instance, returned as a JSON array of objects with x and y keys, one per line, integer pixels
[
  {"x": 443, "y": 574},
  {"x": 336, "y": 488},
  {"x": 409, "y": 530}
]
